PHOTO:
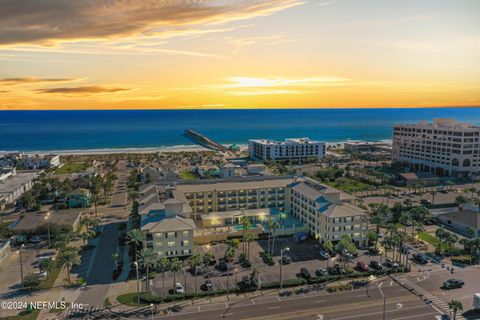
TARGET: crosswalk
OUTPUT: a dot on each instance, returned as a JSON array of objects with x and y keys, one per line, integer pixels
[
  {"x": 83, "y": 313},
  {"x": 426, "y": 296}
]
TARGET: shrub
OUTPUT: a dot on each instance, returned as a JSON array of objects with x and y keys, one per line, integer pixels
[
  {"x": 31, "y": 281},
  {"x": 340, "y": 287},
  {"x": 267, "y": 259},
  {"x": 286, "y": 283},
  {"x": 462, "y": 259}
]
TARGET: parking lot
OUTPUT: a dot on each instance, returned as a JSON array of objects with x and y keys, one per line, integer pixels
[{"x": 304, "y": 255}]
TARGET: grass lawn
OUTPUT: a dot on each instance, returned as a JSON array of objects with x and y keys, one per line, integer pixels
[
  {"x": 29, "y": 316},
  {"x": 350, "y": 185},
  {"x": 186, "y": 175},
  {"x": 72, "y": 168},
  {"x": 130, "y": 299},
  {"x": 52, "y": 276},
  {"x": 425, "y": 236}
]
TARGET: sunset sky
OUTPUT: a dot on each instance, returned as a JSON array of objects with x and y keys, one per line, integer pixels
[{"x": 194, "y": 54}]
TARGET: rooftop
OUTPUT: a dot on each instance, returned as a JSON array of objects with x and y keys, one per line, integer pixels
[
  {"x": 171, "y": 224},
  {"x": 13, "y": 183},
  {"x": 287, "y": 141},
  {"x": 239, "y": 184}
]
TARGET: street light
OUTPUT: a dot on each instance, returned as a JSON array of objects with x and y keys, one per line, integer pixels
[
  {"x": 21, "y": 264},
  {"x": 384, "y": 302},
  {"x": 48, "y": 228},
  {"x": 138, "y": 283},
  {"x": 281, "y": 264},
  {"x": 152, "y": 306}
]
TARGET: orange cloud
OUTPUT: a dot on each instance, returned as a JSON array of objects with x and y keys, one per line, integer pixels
[
  {"x": 13, "y": 81},
  {"x": 46, "y": 23},
  {"x": 81, "y": 90}
]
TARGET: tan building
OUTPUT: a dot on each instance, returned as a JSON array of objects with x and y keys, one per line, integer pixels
[
  {"x": 445, "y": 147},
  {"x": 327, "y": 212}
]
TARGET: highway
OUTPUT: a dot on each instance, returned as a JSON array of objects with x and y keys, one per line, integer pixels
[{"x": 355, "y": 305}]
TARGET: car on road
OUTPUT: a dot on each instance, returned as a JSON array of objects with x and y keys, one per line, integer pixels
[
  {"x": 179, "y": 288},
  {"x": 362, "y": 266},
  {"x": 389, "y": 263},
  {"x": 304, "y": 273},
  {"x": 453, "y": 284},
  {"x": 207, "y": 286},
  {"x": 420, "y": 258},
  {"x": 324, "y": 255},
  {"x": 286, "y": 260},
  {"x": 374, "y": 264},
  {"x": 321, "y": 272}
]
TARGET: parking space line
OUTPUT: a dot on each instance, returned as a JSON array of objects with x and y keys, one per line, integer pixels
[{"x": 253, "y": 301}]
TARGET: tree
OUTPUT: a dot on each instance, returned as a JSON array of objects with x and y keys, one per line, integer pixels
[
  {"x": 31, "y": 280},
  {"x": 147, "y": 259},
  {"x": 94, "y": 192},
  {"x": 472, "y": 191},
  {"x": 455, "y": 306},
  {"x": 163, "y": 263},
  {"x": 328, "y": 247},
  {"x": 175, "y": 266},
  {"x": 207, "y": 257},
  {"x": 135, "y": 237},
  {"x": 461, "y": 201},
  {"x": 87, "y": 235},
  {"x": 250, "y": 238},
  {"x": 68, "y": 258},
  {"x": 245, "y": 222},
  {"x": 441, "y": 235},
  {"x": 229, "y": 253},
  {"x": 275, "y": 226},
  {"x": 46, "y": 265},
  {"x": 195, "y": 261},
  {"x": 345, "y": 245}
]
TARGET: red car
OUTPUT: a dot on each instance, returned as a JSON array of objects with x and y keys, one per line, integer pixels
[{"x": 362, "y": 266}]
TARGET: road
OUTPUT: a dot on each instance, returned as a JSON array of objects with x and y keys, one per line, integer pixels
[
  {"x": 357, "y": 304},
  {"x": 100, "y": 275},
  {"x": 120, "y": 194}
]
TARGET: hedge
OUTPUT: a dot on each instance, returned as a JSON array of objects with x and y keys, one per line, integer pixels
[
  {"x": 286, "y": 283},
  {"x": 267, "y": 259}
]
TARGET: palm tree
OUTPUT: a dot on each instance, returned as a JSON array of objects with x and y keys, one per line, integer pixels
[
  {"x": 250, "y": 238},
  {"x": 46, "y": 265},
  {"x": 195, "y": 261},
  {"x": 433, "y": 193},
  {"x": 345, "y": 245},
  {"x": 455, "y": 306},
  {"x": 94, "y": 192},
  {"x": 328, "y": 246},
  {"x": 229, "y": 253},
  {"x": 472, "y": 191},
  {"x": 442, "y": 235},
  {"x": 207, "y": 258},
  {"x": 245, "y": 222},
  {"x": 136, "y": 237},
  {"x": 147, "y": 259},
  {"x": 163, "y": 263},
  {"x": 275, "y": 226},
  {"x": 68, "y": 258},
  {"x": 461, "y": 200},
  {"x": 175, "y": 266}
]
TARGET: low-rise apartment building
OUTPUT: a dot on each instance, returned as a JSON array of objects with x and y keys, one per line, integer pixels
[
  {"x": 327, "y": 212},
  {"x": 445, "y": 147},
  {"x": 14, "y": 185},
  {"x": 298, "y": 149}
]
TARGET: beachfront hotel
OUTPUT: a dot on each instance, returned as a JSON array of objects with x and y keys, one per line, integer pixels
[
  {"x": 298, "y": 149},
  {"x": 444, "y": 147},
  {"x": 297, "y": 204}
]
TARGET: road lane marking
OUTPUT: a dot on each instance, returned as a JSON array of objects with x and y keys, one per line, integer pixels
[{"x": 276, "y": 307}]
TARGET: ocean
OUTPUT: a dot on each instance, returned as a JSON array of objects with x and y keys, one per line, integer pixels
[{"x": 101, "y": 129}]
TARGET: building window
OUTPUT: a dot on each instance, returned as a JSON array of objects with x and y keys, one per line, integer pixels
[
  {"x": 185, "y": 243},
  {"x": 171, "y": 244},
  {"x": 171, "y": 234},
  {"x": 185, "y": 233}
]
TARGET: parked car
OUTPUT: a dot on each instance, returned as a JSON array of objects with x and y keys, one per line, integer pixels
[
  {"x": 198, "y": 269},
  {"x": 304, "y": 273},
  {"x": 246, "y": 282},
  {"x": 222, "y": 265},
  {"x": 324, "y": 255},
  {"x": 425, "y": 202},
  {"x": 420, "y": 258},
  {"x": 207, "y": 286},
  {"x": 453, "y": 284},
  {"x": 389, "y": 263},
  {"x": 208, "y": 274},
  {"x": 374, "y": 264},
  {"x": 335, "y": 270},
  {"x": 321, "y": 272},
  {"x": 179, "y": 288},
  {"x": 362, "y": 266},
  {"x": 35, "y": 239},
  {"x": 286, "y": 260}
]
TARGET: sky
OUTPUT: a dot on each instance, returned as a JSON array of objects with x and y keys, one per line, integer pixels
[{"x": 207, "y": 54}]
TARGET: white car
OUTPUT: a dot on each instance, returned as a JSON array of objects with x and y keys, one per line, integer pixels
[{"x": 179, "y": 288}]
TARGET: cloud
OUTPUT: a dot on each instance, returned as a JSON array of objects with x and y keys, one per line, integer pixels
[
  {"x": 24, "y": 80},
  {"x": 53, "y": 21},
  {"x": 256, "y": 82},
  {"x": 82, "y": 90}
]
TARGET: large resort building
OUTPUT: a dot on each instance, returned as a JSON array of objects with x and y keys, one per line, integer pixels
[
  {"x": 445, "y": 147},
  {"x": 299, "y": 149},
  {"x": 298, "y": 204}
]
